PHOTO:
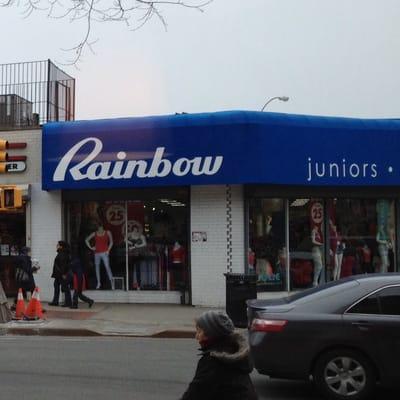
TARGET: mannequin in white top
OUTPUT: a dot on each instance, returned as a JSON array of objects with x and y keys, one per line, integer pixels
[
  {"x": 384, "y": 244},
  {"x": 317, "y": 242},
  {"x": 136, "y": 240},
  {"x": 103, "y": 243}
]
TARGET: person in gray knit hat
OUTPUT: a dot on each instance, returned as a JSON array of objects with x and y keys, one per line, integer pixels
[
  {"x": 215, "y": 324},
  {"x": 224, "y": 367}
]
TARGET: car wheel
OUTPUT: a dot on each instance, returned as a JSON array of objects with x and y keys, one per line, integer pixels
[{"x": 344, "y": 374}]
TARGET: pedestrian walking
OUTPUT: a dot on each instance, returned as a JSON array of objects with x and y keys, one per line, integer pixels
[
  {"x": 79, "y": 280},
  {"x": 224, "y": 367},
  {"x": 24, "y": 273},
  {"x": 62, "y": 275}
]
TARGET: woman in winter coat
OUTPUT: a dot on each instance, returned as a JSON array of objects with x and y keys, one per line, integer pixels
[
  {"x": 79, "y": 279},
  {"x": 24, "y": 277},
  {"x": 224, "y": 367},
  {"x": 62, "y": 274}
]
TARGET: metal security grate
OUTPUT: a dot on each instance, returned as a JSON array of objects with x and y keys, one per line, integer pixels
[{"x": 33, "y": 93}]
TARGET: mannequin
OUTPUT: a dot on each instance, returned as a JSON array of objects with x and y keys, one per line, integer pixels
[
  {"x": 384, "y": 244},
  {"x": 337, "y": 248},
  {"x": 251, "y": 261},
  {"x": 103, "y": 243},
  {"x": 365, "y": 255},
  {"x": 268, "y": 224},
  {"x": 178, "y": 256},
  {"x": 136, "y": 240},
  {"x": 317, "y": 242}
]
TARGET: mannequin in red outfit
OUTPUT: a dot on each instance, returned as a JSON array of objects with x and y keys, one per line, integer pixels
[{"x": 177, "y": 264}]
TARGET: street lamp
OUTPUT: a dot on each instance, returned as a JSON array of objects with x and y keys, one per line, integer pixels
[{"x": 281, "y": 98}]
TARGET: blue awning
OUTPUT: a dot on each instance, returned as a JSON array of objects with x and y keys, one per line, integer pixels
[{"x": 235, "y": 147}]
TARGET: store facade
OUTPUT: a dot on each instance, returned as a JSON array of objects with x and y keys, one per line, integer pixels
[
  {"x": 298, "y": 200},
  {"x": 21, "y": 222}
]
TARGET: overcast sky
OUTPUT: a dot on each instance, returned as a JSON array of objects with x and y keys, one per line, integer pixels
[{"x": 331, "y": 57}]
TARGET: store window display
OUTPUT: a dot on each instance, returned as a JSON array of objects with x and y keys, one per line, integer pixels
[
  {"x": 266, "y": 241},
  {"x": 366, "y": 237},
  {"x": 337, "y": 247},
  {"x": 177, "y": 266},
  {"x": 329, "y": 239},
  {"x": 317, "y": 248},
  {"x": 101, "y": 242},
  {"x": 382, "y": 236},
  {"x": 306, "y": 243},
  {"x": 141, "y": 236}
]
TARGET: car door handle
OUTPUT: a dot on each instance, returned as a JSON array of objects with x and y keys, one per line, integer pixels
[{"x": 362, "y": 325}]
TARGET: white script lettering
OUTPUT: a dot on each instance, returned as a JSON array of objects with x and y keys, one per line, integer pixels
[{"x": 157, "y": 167}]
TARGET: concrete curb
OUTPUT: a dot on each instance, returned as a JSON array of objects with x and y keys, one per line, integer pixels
[
  {"x": 42, "y": 331},
  {"x": 50, "y": 332}
]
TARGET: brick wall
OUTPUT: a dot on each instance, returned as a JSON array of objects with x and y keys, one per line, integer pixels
[{"x": 219, "y": 212}]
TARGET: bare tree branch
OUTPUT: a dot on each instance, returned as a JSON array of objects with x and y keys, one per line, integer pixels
[{"x": 134, "y": 13}]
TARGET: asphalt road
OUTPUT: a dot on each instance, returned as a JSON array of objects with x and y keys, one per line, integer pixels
[{"x": 44, "y": 368}]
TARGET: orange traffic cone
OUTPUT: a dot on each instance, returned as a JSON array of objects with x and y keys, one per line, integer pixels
[
  {"x": 34, "y": 309},
  {"x": 39, "y": 309},
  {"x": 20, "y": 308},
  {"x": 30, "y": 312}
]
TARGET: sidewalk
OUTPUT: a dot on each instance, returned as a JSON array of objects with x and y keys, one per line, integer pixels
[{"x": 104, "y": 319}]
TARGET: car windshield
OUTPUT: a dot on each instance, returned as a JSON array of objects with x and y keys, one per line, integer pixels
[{"x": 320, "y": 288}]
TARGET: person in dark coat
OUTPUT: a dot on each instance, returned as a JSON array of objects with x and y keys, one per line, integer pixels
[
  {"x": 79, "y": 279},
  {"x": 24, "y": 275},
  {"x": 62, "y": 275},
  {"x": 224, "y": 367}
]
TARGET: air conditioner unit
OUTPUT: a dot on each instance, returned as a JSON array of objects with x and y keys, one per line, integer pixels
[{"x": 15, "y": 111}]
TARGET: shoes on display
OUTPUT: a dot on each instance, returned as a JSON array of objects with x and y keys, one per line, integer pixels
[
  {"x": 66, "y": 305},
  {"x": 98, "y": 286},
  {"x": 53, "y": 304},
  {"x": 91, "y": 302}
]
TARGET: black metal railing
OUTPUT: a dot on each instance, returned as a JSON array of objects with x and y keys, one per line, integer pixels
[{"x": 33, "y": 93}]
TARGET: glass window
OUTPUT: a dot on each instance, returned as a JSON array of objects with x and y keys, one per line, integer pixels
[
  {"x": 369, "y": 305},
  {"x": 361, "y": 236},
  {"x": 306, "y": 242},
  {"x": 266, "y": 252},
  {"x": 389, "y": 299},
  {"x": 131, "y": 244},
  {"x": 12, "y": 239},
  {"x": 329, "y": 239}
]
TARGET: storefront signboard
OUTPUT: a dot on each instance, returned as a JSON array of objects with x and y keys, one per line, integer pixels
[{"x": 221, "y": 148}]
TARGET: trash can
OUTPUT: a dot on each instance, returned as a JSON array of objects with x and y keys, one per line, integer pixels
[{"x": 239, "y": 288}]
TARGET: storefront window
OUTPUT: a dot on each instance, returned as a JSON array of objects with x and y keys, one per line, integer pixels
[
  {"x": 12, "y": 239},
  {"x": 329, "y": 239},
  {"x": 147, "y": 241},
  {"x": 306, "y": 242},
  {"x": 266, "y": 254},
  {"x": 362, "y": 236}
]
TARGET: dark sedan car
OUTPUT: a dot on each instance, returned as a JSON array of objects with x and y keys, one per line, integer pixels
[{"x": 344, "y": 334}]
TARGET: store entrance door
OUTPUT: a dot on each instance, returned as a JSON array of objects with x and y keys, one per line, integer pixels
[{"x": 12, "y": 239}]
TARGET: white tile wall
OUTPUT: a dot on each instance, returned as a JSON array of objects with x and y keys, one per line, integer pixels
[
  {"x": 46, "y": 231},
  {"x": 209, "y": 259}
]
